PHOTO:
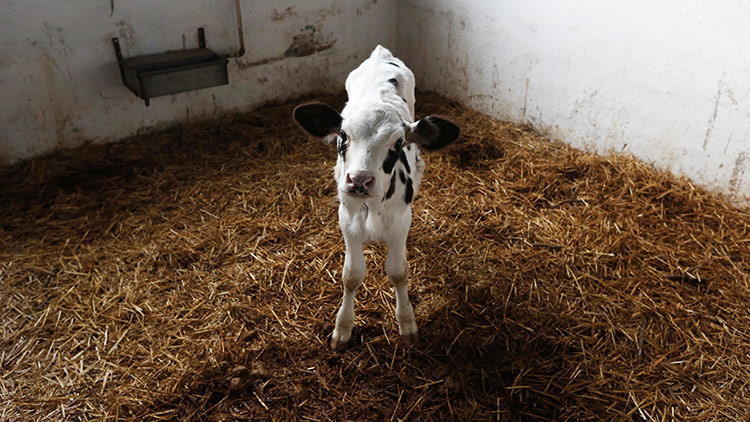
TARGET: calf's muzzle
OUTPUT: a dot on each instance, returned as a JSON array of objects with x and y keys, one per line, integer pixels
[{"x": 359, "y": 182}]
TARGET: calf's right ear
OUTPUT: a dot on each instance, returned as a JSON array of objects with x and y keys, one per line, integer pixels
[
  {"x": 318, "y": 119},
  {"x": 433, "y": 133}
]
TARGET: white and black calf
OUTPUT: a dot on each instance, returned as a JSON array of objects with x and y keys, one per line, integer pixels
[{"x": 378, "y": 172}]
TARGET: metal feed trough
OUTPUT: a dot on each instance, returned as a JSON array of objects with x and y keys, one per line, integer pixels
[{"x": 156, "y": 75}]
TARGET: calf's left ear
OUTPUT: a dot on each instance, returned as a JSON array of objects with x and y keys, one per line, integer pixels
[
  {"x": 318, "y": 119},
  {"x": 433, "y": 133}
]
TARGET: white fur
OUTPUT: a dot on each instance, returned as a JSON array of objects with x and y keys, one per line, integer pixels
[{"x": 374, "y": 117}]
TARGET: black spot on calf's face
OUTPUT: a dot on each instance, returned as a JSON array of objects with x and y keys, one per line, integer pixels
[
  {"x": 390, "y": 160},
  {"x": 396, "y": 153}
]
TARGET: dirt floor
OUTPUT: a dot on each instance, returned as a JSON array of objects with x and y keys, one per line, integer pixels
[{"x": 193, "y": 274}]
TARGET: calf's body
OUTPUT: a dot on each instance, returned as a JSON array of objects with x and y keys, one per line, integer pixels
[{"x": 378, "y": 173}]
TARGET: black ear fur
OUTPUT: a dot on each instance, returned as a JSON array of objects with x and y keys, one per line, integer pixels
[
  {"x": 317, "y": 119},
  {"x": 433, "y": 133}
]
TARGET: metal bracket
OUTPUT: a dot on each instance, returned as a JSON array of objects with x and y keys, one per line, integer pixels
[
  {"x": 118, "y": 52},
  {"x": 201, "y": 38},
  {"x": 116, "y": 42},
  {"x": 241, "y": 51}
]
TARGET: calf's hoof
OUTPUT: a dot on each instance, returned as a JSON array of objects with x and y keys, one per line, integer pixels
[
  {"x": 338, "y": 345},
  {"x": 411, "y": 338},
  {"x": 340, "y": 339}
]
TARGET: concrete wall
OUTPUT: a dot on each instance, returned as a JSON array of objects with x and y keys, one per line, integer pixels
[
  {"x": 60, "y": 85},
  {"x": 666, "y": 81}
]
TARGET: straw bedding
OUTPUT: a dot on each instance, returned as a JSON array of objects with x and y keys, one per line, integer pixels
[{"x": 193, "y": 274}]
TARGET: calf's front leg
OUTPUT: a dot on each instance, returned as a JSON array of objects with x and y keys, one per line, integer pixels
[
  {"x": 353, "y": 276},
  {"x": 397, "y": 270}
]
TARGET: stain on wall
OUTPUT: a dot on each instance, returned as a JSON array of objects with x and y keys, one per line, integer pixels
[
  {"x": 738, "y": 172},
  {"x": 306, "y": 42},
  {"x": 287, "y": 13},
  {"x": 309, "y": 41}
]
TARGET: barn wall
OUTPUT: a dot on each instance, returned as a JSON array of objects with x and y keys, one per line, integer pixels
[
  {"x": 60, "y": 85},
  {"x": 668, "y": 82}
]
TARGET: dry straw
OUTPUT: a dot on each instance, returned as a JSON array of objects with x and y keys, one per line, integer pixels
[{"x": 193, "y": 274}]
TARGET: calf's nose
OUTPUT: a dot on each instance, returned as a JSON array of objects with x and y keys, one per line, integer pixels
[{"x": 359, "y": 181}]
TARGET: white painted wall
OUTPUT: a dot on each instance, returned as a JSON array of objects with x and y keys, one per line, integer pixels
[
  {"x": 60, "y": 85},
  {"x": 667, "y": 81}
]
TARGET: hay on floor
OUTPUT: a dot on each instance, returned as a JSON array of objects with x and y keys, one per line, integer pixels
[{"x": 193, "y": 274}]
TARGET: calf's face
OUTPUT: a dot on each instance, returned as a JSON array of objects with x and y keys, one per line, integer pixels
[{"x": 371, "y": 141}]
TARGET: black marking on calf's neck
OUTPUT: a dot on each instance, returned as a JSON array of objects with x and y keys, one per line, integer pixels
[
  {"x": 391, "y": 187},
  {"x": 402, "y": 176},
  {"x": 409, "y": 193},
  {"x": 404, "y": 160}
]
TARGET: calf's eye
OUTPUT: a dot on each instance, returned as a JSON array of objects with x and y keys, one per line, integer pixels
[
  {"x": 342, "y": 144},
  {"x": 398, "y": 144}
]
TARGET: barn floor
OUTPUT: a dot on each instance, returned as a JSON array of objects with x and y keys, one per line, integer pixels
[{"x": 193, "y": 274}]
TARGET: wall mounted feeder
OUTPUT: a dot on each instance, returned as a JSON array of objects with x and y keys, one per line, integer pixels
[{"x": 156, "y": 75}]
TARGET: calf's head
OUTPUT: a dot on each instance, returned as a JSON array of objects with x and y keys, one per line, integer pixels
[{"x": 370, "y": 140}]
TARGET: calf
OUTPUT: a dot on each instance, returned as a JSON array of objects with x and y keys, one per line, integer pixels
[{"x": 378, "y": 171}]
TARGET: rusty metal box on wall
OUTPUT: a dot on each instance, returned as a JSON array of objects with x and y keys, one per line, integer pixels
[{"x": 156, "y": 75}]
